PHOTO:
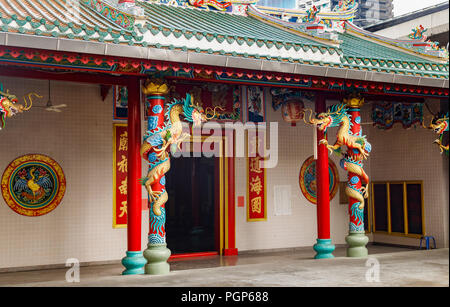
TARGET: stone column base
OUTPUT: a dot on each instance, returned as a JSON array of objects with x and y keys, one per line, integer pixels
[
  {"x": 157, "y": 255},
  {"x": 134, "y": 263},
  {"x": 324, "y": 249},
  {"x": 357, "y": 244}
]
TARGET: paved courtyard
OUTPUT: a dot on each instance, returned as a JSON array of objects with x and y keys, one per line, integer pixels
[{"x": 398, "y": 267}]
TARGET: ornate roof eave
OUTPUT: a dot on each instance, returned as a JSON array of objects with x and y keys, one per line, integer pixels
[
  {"x": 289, "y": 26},
  {"x": 134, "y": 54},
  {"x": 406, "y": 46}
]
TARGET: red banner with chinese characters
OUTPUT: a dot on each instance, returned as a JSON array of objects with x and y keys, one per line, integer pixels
[
  {"x": 256, "y": 178},
  {"x": 120, "y": 147}
]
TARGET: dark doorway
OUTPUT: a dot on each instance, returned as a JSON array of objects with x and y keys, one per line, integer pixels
[{"x": 192, "y": 205}]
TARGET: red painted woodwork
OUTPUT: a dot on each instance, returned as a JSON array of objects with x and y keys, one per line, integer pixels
[
  {"x": 70, "y": 77},
  {"x": 134, "y": 192},
  {"x": 323, "y": 180},
  {"x": 217, "y": 205},
  {"x": 231, "y": 208},
  {"x": 230, "y": 252},
  {"x": 130, "y": 66}
]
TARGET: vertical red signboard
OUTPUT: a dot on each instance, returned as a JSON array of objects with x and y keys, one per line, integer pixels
[
  {"x": 120, "y": 149},
  {"x": 256, "y": 178}
]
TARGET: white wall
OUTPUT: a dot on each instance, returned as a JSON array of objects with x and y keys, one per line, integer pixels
[{"x": 80, "y": 140}]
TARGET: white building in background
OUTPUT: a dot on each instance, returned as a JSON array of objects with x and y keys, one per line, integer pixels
[{"x": 324, "y": 5}]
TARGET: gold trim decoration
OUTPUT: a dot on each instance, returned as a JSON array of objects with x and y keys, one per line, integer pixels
[{"x": 156, "y": 86}]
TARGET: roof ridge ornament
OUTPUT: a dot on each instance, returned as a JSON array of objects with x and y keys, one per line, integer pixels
[
  {"x": 325, "y": 31},
  {"x": 311, "y": 15},
  {"x": 418, "y": 33}
]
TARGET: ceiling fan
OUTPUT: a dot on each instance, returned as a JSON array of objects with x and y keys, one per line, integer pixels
[{"x": 49, "y": 106}]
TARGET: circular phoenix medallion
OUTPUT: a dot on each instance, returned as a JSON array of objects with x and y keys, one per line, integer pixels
[
  {"x": 307, "y": 179},
  {"x": 33, "y": 185}
]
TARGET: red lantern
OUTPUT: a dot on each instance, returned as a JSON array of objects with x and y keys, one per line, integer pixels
[{"x": 292, "y": 111}]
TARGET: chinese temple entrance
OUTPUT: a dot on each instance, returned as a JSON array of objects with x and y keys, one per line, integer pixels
[{"x": 193, "y": 205}]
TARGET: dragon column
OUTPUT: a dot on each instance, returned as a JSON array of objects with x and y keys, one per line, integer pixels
[
  {"x": 352, "y": 162},
  {"x": 157, "y": 252}
]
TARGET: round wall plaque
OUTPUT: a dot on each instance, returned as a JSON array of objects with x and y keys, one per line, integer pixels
[
  {"x": 33, "y": 185},
  {"x": 307, "y": 179}
]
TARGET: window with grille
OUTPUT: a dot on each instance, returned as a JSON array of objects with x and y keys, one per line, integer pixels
[{"x": 397, "y": 208}]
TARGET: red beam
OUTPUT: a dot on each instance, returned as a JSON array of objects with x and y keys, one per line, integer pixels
[{"x": 63, "y": 76}]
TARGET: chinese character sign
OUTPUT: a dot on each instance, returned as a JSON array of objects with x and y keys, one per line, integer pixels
[
  {"x": 256, "y": 174},
  {"x": 120, "y": 175}
]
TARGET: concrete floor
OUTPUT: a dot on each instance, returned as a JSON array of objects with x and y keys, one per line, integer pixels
[{"x": 397, "y": 267}]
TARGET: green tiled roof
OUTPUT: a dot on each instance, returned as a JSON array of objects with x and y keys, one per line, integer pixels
[
  {"x": 218, "y": 24},
  {"x": 358, "y": 47},
  {"x": 387, "y": 59},
  {"x": 209, "y": 32}
]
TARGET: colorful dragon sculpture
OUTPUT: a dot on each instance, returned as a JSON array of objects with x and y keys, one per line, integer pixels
[
  {"x": 337, "y": 116},
  {"x": 358, "y": 150},
  {"x": 311, "y": 16},
  {"x": 440, "y": 124},
  {"x": 418, "y": 33},
  {"x": 9, "y": 105}
]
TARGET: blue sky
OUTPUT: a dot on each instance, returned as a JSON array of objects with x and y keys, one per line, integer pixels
[{"x": 405, "y": 6}]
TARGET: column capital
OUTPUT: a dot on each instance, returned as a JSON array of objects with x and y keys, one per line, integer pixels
[
  {"x": 354, "y": 100},
  {"x": 155, "y": 86}
]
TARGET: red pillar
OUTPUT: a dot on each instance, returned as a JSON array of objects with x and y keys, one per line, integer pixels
[
  {"x": 323, "y": 180},
  {"x": 134, "y": 203},
  {"x": 134, "y": 261},
  {"x": 324, "y": 248}
]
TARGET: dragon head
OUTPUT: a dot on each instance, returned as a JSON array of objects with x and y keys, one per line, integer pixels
[
  {"x": 9, "y": 105},
  {"x": 440, "y": 124},
  {"x": 331, "y": 118},
  {"x": 193, "y": 113}
]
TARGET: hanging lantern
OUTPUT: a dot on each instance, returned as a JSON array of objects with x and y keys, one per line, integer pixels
[{"x": 292, "y": 111}]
